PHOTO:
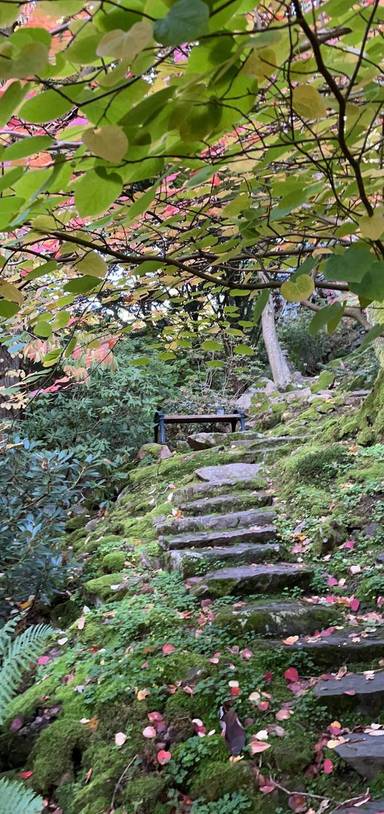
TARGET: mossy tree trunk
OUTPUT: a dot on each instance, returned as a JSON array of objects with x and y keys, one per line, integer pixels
[
  {"x": 371, "y": 416},
  {"x": 281, "y": 373}
]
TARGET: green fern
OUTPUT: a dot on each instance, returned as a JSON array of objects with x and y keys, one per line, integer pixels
[
  {"x": 17, "y": 656},
  {"x": 18, "y": 799}
]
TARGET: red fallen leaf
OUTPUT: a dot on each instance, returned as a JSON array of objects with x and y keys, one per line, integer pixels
[
  {"x": 354, "y": 604},
  {"x": 256, "y": 747},
  {"x": 163, "y": 757},
  {"x": 268, "y": 788},
  {"x": 297, "y": 803},
  {"x": 235, "y": 691},
  {"x": 291, "y": 640},
  {"x": 332, "y": 581},
  {"x": 335, "y": 728},
  {"x": 154, "y": 716},
  {"x": 291, "y": 675},
  {"x": 168, "y": 649},
  {"x": 215, "y": 658},
  {"x": 263, "y": 706},
  {"x": 26, "y": 775},
  {"x": 149, "y": 732},
  {"x": 205, "y": 603},
  {"x": 246, "y": 654},
  {"x": 268, "y": 677},
  {"x": 283, "y": 715},
  {"x": 349, "y": 544},
  {"x": 349, "y": 692},
  {"x": 188, "y": 690},
  {"x": 327, "y": 766},
  {"x": 43, "y": 660}
]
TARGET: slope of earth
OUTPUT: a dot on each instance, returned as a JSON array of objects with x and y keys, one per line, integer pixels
[{"x": 247, "y": 572}]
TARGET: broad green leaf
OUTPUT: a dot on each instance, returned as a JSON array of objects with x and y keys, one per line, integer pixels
[
  {"x": 96, "y": 191},
  {"x": 259, "y": 305},
  {"x": 8, "y": 309},
  {"x": 61, "y": 320},
  {"x": 244, "y": 350},
  {"x": 51, "y": 358},
  {"x": 211, "y": 345},
  {"x": 42, "y": 329},
  {"x": 28, "y": 145},
  {"x": 290, "y": 202},
  {"x": 10, "y": 100},
  {"x": 9, "y": 178},
  {"x": 372, "y": 226},
  {"x": 9, "y": 12},
  {"x": 308, "y": 102},
  {"x": 45, "y": 107},
  {"x": 186, "y": 20},
  {"x": 109, "y": 142},
  {"x": 126, "y": 44},
  {"x": 328, "y": 317},
  {"x": 239, "y": 292},
  {"x": 374, "y": 333},
  {"x": 61, "y": 8},
  {"x": 10, "y": 292},
  {"x": 32, "y": 60},
  {"x": 141, "y": 204},
  {"x": 299, "y": 289},
  {"x": 261, "y": 63},
  {"x": 351, "y": 266},
  {"x": 81, "y": 285},
  {"x": 92, "y": 264}
]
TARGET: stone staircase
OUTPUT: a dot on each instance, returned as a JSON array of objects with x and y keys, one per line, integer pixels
[{"x": 223, "y": 539}]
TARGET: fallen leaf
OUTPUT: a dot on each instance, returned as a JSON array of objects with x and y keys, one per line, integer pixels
[
  {"x": 149, "y": 732},
  {"x": 283, "y": 714},
  {"x": 168, "y": 649},
  {"x": 163, "y": 757},
  {"x": 297, "y": 803},
  {"x": 256, "y": 747},
  {"x": 354, "y": 604},
  {"x": 88, "y": 775},
  {"x": 16, "y": 724},
  {"x": 141, "y": 695},
  {"x": 254, "y": 697},
  {"x": 120, "y": 738},
  {"x": 268, "y": 788},
  {"x": 154, "y": 716},
  {"x": 327, "y": 766},
  {"x": 80, "y": 624},
  {"x": 26, "y": 775},
  {"x": 291, "y": 675},
  {"x": 43, "y": 660},
  {"x": 263, "y": 706},
  {"x": 246, "y": 654},
  {"x": 291, "y": 640},
  {"x": 262, "y": 735}
]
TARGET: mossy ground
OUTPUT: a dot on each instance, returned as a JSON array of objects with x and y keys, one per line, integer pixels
[{"x": 116, "y": 667}]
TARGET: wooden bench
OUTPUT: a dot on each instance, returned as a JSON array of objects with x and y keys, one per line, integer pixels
[{"x": 161, "y": 419}]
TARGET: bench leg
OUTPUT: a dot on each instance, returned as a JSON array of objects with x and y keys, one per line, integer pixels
[
  {"x": 242, "y": 421},
  {"x": 233, "y": 424},
  {"x": 161, "y": 435}
]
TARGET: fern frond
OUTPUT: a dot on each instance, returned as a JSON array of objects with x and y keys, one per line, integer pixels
[
  {"x": 16, "y": 798},
  {"x": 17, "y": 658},
  {"x": 6, "y": 633}
]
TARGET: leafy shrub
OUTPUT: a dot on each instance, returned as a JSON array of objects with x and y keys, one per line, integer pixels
[
  {"x": 309, "y": 353},
  {"x": 234, "y": 803}
]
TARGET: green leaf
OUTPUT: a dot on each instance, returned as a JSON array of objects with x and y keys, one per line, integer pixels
[
  {"x": 299, "y": 289},
  {"x": 96, "y": 191},
  {"x": 42, "y": 329},
  {"x": 92, "y": 264},
  {"x": 289, "y": 203},
  {"x": 8, "y": 309},
  {"x": 109, "y": 142},
  {"x": 7, "y": 180},
  {"x": 81, "y": 285},
  {"x": 10, "y": 100},
  {"x": 308, "y": 103},
  {"x": 259, "y": 305},
  {"x": 239, "y": 292},
  {"x": 328, "y": 317},
  {"x": 244, "y": 350},
  {"x": 51, "y": 357},
  {"x": 46, "y": 106},
  {"x": 187, "y": 20},
  {"x": 141, "y": 205},
  {"x": 46, "y": 268},
  {"x": 9, "y": 12},
  {"x": 211, "y": 345},
  {"x": 351, "y": 266},
  {"x": 28, "y": 145},
  {"x": 372, "y": 226},
  {"x": 374, "y": 333},
  {"x": 126, "y": 44},
  {"x": 261, "y": 63},
  {"x": 10, "y": 292},
  {"x": 61, "y": 8}
]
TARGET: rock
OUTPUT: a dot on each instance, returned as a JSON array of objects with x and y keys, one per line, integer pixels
[
  {"x": 364, "y": 753},
  {"x": 354, "y": 689},
  {"x": 228, "y": 473},
  {"x": 270, "y": 387},
  {"x": 380, "y": 557},
  {"x": 323, "y": 382},
  {"x": 92, "y": 524},
  {"x": 157, "y": 452},
  {"x": 350, "y": 644},
  {"x": 206, "y": 440},
  {"x": 206, "y": 539},
  {"x": 194, "y": 562},
  {"x": 301, "y": 394},
  {"x": 244, "y": 403},
  {"x": 242, "y": 500},
  {"x": 251, "y": 579},
  {"x": 242, "y": 519},
  {"x": 372, "y": 529},
  {"x": 373, "y": 807},
  {"x": 276, "y": 617}
]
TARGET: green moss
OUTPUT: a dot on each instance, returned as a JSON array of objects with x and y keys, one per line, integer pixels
[
  {"x": 27, "y": 702},
  {"x": 58, "y": 752},
  {"x": 102, "y": 586},
  {"x": 317, "y": 463},
  {"x": 144, "y": 792},
  {"x": 219, "y": 777},
  {"x": 114, "y": 561}
]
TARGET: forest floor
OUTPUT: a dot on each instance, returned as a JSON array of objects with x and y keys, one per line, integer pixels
[{"x": 204, "y": 583}]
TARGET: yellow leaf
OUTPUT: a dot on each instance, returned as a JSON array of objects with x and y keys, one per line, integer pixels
[
  {"x": 299, "y": 289},
  {"x": 141, "y": 695},
  {"x": 92, "y": 264},
  {"x": 10, "y": 292},
  {"x": 109, "y": 142},
  {"x": 372, "y": 226},
  {"x": 308, "y": 103},
  {"x": 126, "y": 44}
]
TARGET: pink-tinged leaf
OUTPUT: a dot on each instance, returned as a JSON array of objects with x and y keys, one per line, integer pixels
[
  {"x": 235, "y": 692},
  {"x": 297, "y": 803},
  {"x": 149, "y": 732},
  {"x": 327, "y": 766},
  {"x": 283, "y": 715},
  {"x": 380, "y": 601},
  {"x": 215, "y": 658},
  {"x": 291, "y": 675},
  {"x": 256, "y": 747},
  {"x": 263, "y": 706},
  {"x": 268, "y": 788},
  {"x": 154, "y": 716},
  {"x": 354, "y": 604},
  {"x": 349, "y": 692},
  {"x": 16, "y": 724},
  {"x": 268, "y": 677},
  {"x": 163, "y": 757},
  {"x": 335, "y": 728},
  {"x": 168, "y": 649},
  {"x": 332, "y": 581},
  {"x": 349, "y": 544},
  {"x": 246, "y": 654},
  {"x": 291, "y": 640},
  {"x": 120, "y": 738},
  {"x": 43, "y": 660},
  {"x": 26, "y": 775}
]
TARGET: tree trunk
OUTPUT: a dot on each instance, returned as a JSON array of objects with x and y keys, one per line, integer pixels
[
  {"x": 281, "y": 373},
  {"x": 8, "y": 364}
]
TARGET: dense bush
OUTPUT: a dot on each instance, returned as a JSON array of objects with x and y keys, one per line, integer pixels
[{"x": 309, "y": 353}]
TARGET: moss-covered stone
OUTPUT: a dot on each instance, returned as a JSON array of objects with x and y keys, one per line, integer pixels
[
  {"x": 143, "y": 793},
  {"x": 58, "y": 752},
  {"x": 113, "y": 562},
  {"x": 317, "y": 464},
  {"x": 218, "y": 778},
  {"x": 104, "y": 587}
]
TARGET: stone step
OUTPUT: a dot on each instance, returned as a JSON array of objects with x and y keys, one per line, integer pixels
[
  {"x": 364, "y": 752},
  {"x": 372, "y": 807},
  {"x": 227, "y": 502},
  {"x": 200, "y": 489},
  {"x": 205, "y": 539},
  {"x": 279, "y": 617},
  {"x": 363, "y": 690},
  {"x": 232, "y": 520},
  {"x": 251, "y": 579},
  {"x": 352, "y": 644},
  {"x": 229, "y": 473},
  {"x": 192, "y": 562}
]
